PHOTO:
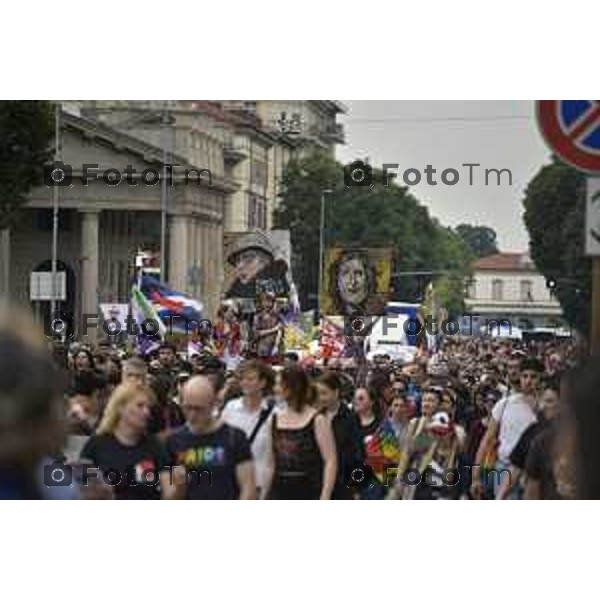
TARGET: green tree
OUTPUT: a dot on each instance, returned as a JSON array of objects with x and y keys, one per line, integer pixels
[
  {"x": 26, "y": 131},
  {"x": 303, "y": 183},
  {"x": 458, "y": 259},
  {"x": 481, "y": 239},
  {"x": 555, "y": 219},
  {"x": 378, "y": 216}
]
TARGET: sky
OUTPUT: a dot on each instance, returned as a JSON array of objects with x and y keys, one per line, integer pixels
[{"x": 446, "y": 134}]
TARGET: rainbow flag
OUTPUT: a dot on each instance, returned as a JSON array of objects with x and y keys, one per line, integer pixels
[{"x": 383, "y": 451}]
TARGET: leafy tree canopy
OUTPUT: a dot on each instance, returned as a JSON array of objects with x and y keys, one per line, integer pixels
[
  {"x": 480, "y": 239},
  {"x": 26, "y": 132},
  {"x": 378, "y": 216},
  {"x": 555, "y": 219}
]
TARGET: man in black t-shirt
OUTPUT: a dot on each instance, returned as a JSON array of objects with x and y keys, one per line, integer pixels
[
  {"x": 217, "y": 457},
  {"x": 541, "y": 467}
]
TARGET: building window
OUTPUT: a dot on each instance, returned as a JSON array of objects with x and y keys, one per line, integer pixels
[
  {"x": 258, "y": 175},
  {"x": 471, "y": 289},
  {"x": 526, "y": 294},
  {"x": 257, "y": 216},
  {"x": 497, "y": 291}
]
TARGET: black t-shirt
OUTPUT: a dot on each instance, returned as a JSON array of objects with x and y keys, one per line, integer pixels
[
  {"x": 540, "y": 464},
  {"x": 133, "y": 470},
  {"x": 370, "y": 429},
  {"x": 211, "y": 460},
  {"x": 350, "y": 448},
  {"x": 519, "y": 454}
]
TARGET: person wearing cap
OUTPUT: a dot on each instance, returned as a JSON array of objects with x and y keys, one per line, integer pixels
[{"x": 253, "y": 258}]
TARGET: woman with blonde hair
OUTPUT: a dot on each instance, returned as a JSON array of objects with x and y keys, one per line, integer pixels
[{"x": 131, "y": 462}]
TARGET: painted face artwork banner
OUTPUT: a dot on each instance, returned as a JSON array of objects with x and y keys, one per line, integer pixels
[
  {"x": 257, "y": 262},
  {"x": 356, "y": 280}
]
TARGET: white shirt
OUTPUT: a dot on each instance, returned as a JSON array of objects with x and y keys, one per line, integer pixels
[
  {"x": 515, "y": 415},
  {"x": 237, "y": 415}
]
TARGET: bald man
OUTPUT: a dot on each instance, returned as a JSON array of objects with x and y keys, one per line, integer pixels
[{"x": 217, "y": 457}]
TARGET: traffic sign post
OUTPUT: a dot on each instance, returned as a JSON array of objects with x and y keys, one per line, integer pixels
[
  {"x": 592, "y": 248},
  {"x": 595, "y": 332},
  {"x": 572, "y": 130},
  {"x": 592, "y": 217}
]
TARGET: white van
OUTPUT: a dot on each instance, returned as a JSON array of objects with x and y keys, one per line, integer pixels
[{"x": 388, "y": 337}]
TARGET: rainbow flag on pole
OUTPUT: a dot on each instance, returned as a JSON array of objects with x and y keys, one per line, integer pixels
[
  {"x": 142, "y": 310},
  {"x": 383, "y": 450}
]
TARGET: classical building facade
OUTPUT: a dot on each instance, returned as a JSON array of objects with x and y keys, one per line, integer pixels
[
  {"x": 294, "y": 128},
  {"x": 102, "y": 226},
  {"x": 508, "y": 286},
  {"x": 249, "y": 141},
  {"x": 234, "y": 156}
]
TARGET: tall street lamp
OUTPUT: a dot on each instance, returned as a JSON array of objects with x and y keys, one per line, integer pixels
[
  {"x": 166, "y": 120},
  {"x": 321, "y": 246},
  {"x": 55, "y": 189}
]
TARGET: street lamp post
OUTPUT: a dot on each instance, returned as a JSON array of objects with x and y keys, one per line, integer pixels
[
  {"x": 55, "y": 189},
  {"x": 163, "y": 197},
  {"x": 321, "y": 246}
]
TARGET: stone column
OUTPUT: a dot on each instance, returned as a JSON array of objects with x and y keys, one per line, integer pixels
[
  {"x": 212, "y": 271},
  {"x": 89, "y": 268},
  {"x": 179, "y": 234},
  {"x": 5, "y": 264},
  {"x": 197, "y": 260},
  {"x": 219, "y": 263},
  {"x": 202, "y": 254},
  {"x": 213, "y": 264}
]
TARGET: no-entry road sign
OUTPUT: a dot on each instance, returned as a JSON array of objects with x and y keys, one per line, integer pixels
[{"x": 572, "y": 129}]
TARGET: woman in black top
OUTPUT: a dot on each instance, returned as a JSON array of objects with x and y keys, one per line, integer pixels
[
  {"x": 366, "y": 412},
  {"x": 302, "y": 464},
  {"x": 368, "y": 419},
  {"x": 132, "y": 463},
  {"x": 348, "y": 441}
]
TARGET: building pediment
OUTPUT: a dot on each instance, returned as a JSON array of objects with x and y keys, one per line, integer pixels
[{"x": 92, "y": 150}]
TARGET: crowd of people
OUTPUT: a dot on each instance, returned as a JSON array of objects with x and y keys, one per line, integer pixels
[{"x": 477, "y": 419}]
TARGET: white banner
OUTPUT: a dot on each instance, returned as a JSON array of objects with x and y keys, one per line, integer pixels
[
  {"x": 117, "y": 312},
  {"x": 40, "y": 288}
]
